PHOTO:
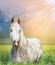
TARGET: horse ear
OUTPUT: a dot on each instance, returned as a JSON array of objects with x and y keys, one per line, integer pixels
[
  {"x": 12, "y": 20},
  {"x": 18, "y": 20}
]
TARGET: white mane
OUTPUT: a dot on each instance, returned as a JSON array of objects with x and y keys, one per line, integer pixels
[{"x": 28, "y": 50}]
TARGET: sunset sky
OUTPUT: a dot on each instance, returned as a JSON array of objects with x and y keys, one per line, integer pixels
[{"x": 37, "y": 18}]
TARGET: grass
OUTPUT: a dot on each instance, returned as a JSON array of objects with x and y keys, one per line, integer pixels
[
  {"x": 4, "y": 49},
  {"x": 48, "y": 57}
]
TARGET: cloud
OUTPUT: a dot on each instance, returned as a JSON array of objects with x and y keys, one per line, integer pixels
[
  {"x": 29, "y": 9},
  {"x": 52, "y": 2},
  {"x": 11, "y": 8}
]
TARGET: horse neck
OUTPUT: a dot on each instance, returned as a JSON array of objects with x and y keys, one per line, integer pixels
[{"x": 23, "y": 40}]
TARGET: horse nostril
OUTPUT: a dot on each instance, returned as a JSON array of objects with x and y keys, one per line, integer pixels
[
  {"x": 14, "y": 41},
  {"x": 18, "y": 42}
]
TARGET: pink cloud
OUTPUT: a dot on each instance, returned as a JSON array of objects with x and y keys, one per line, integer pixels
[{"x": 31, "y": 9}]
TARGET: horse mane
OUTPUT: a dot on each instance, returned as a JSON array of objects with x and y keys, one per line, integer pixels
[{"x": 23, "y": 40}]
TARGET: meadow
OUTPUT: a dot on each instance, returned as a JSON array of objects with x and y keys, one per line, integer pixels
[{"x": 48, "y": 57}]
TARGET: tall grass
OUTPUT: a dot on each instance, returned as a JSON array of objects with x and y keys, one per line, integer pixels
[{"x": 48, "y": 58}]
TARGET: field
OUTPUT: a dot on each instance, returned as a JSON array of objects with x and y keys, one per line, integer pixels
[{"x": 48, "y": 57}]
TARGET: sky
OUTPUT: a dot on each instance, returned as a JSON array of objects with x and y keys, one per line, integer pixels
[{"x": 37, "y": 18}]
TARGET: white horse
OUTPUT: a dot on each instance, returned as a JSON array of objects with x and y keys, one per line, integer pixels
[{"x": 23, "y": 50}]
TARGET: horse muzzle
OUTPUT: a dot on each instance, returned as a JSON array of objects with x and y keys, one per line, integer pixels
[{"x": 16, "y": 43}]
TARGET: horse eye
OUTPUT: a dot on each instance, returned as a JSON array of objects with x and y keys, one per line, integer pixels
[{"x": 11, "y": 30}]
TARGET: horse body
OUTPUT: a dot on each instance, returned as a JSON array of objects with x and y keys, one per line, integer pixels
[
  {"x": 26, "y": 50},
  {"x": 34, "y": 48},
  {"x": 28, "y": 53}
]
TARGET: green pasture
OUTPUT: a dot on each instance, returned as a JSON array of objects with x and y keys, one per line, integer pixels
[
  {"x": 48, "y": 57},
  {"x": 6, "y": 48}
]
